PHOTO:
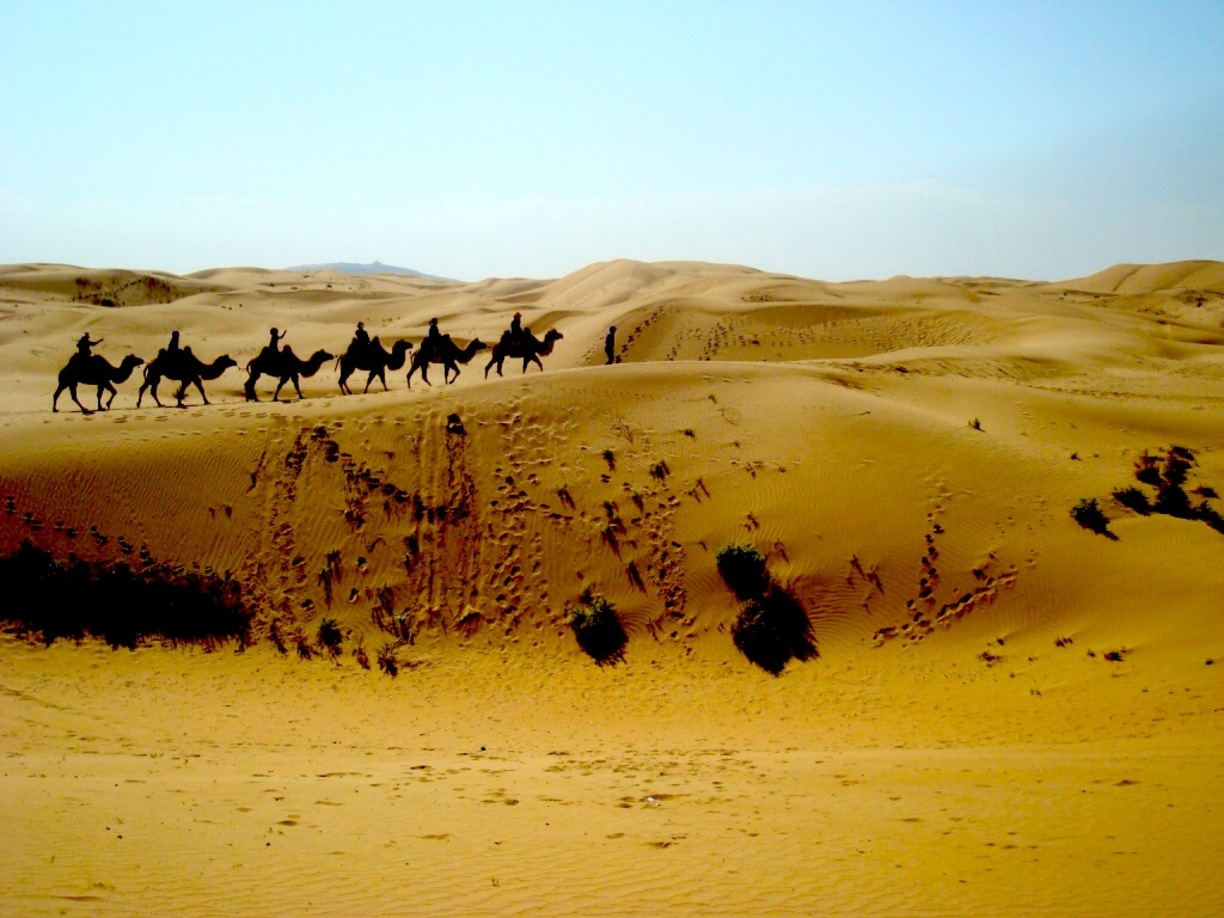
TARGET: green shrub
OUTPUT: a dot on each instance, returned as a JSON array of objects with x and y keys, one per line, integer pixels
[
  {"x": 743, "y": 570},
  {"x": 772, "y": 629},
  {"x": 597, "y": 627}
]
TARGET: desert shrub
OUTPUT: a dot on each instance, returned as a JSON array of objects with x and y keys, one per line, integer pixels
[
  {"x": 1167, "y": 473},
  {"x": 1209, "y": 515},
  {"x": 1088, "y": 514},
  {"x": 51, "y": 599},
  {"x": 597, "y": 627},
  {"x": 772, "y": 629},
  {"x": 277, "y": 638},
  {"x": 330, "y": 638},
  {"x": 304, "y": 650},
  {"x": 743, "y": 570},
  {"x": 1147, "y": 469},
  {"x": 1173, "y": 501},
  {"x": 1133, "y": 499},
  {"x": 388, "y": 662}
]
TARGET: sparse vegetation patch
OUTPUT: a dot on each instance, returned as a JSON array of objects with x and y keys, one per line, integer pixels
[
  {"x": 47, "y": 599},
  {"x": 772, "y": 627},
  {"x": 597, "y": 627}
]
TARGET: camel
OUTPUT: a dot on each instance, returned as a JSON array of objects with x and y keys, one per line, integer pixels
[
  {"x": 449, "y": 354},
  {"x": 529, "y": 347},
  {"x": 286, "y": 366},
  {"x": 374, "y": 358},
  {"x": 185, "y": 368},
  {"x": 93, "y": 370}
]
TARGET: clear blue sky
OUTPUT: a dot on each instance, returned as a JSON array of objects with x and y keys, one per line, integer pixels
[{"x": 832, "y": 140}]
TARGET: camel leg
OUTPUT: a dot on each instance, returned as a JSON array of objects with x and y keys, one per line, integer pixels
[
  {"x": 199, "y": 384},
  {"x": 72, "y": 390},
  {"x": 425, "y": 375},
  {"x": 279, "y": 386},
  {"x": 447, "y": 370},
  {"x": 248, "y": 387},
  {"x": 345, "y": 371},
  {"x": 113, "y": 392}
]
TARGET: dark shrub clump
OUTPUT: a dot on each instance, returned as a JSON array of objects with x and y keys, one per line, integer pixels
[
  {"x": 330, "y": 638},
  {"x": 598, "y": 628},
  {"x": 772, "y": 629},
  {"x": 1133, "y": 499},
  {"x": 743, "y": 570},
  {"x": 53, "y": 599},
  {"x": 1088, "y": 514}
]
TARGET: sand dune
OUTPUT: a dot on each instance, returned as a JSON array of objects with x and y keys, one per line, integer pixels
[{"x": 1005, "y": 713}]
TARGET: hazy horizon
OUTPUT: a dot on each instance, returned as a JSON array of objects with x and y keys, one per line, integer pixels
[{"x": 1041, "y": 141}]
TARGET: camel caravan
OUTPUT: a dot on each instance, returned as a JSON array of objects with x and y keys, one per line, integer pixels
[{"x": 276, "y": 361}]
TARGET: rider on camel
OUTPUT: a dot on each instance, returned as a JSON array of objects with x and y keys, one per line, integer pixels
[
  {"x": 361, "y": 340},
  {"x": 84, "y": 345}
]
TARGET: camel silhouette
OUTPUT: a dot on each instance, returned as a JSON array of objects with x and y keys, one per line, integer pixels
[
  {"x": 447, "y": 353},
  {"x": 374, "y": 358},
  {"x": 285, "y": 366},
  {"x": 528, "y": 347},
  {"x": 183, "y": 367},
  {"x": 93, "y": 370}
]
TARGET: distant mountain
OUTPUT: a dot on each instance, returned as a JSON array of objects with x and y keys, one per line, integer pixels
[{"x": 374, "y": 267}]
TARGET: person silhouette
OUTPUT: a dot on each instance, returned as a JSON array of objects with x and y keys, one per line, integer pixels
[
  {"x": 516, "y": 328},
  {"x": 610, "y": 345},
  {"x": 173, "y": 347},
  {"x": 85, "y": 345},
  {"x": 361, "y": 339},
  {"x": 274, "y": 339},
  {"x": 434, "y": 338}
]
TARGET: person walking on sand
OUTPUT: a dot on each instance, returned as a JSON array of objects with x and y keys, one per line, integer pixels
[{"x": 610, "y": 346}]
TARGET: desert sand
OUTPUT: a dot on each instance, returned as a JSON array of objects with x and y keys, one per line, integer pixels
[{"x": 1006, "y": 712}]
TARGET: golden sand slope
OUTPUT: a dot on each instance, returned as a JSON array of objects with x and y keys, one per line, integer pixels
[{"x": 1008, "y": 713}]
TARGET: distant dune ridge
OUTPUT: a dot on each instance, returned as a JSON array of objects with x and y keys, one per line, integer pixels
[
  {"x": 493, "y": 665},
  {"x": 349, "y": 267}
]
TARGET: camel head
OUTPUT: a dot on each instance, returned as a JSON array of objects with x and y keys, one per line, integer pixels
[{"x": 553, "y": 335}]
